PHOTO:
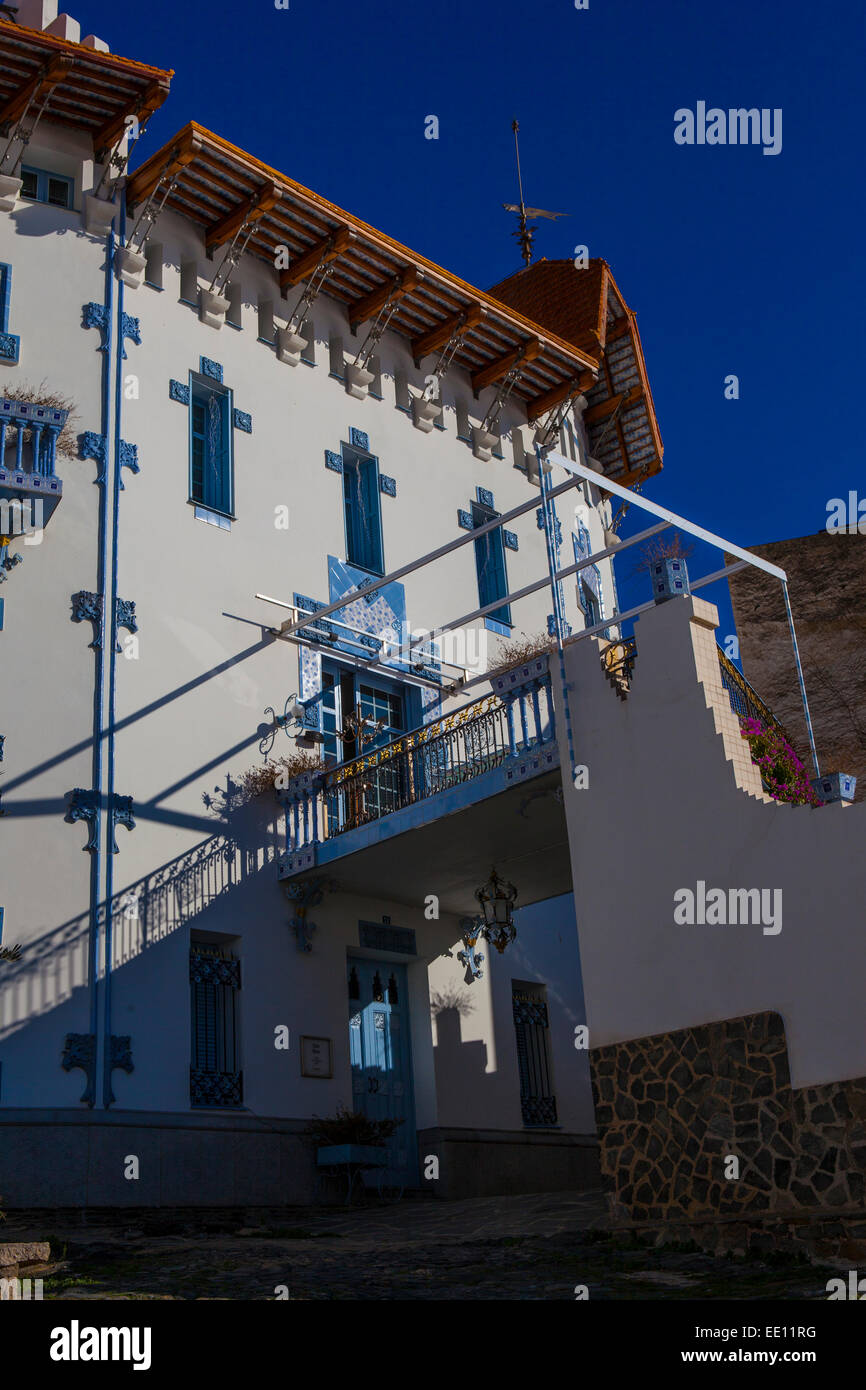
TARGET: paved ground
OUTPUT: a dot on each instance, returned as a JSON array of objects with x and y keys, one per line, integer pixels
[{"x": 532, "y": 1247}]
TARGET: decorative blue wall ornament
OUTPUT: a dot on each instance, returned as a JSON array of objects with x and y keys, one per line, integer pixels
[
  {"x": 557, "y": 525},
  {"x": 510, "y": 539},
  {"x": 212, "y": 369},
  {"x": 129, "y": 328},
  {"x": 309, "y": 893},
  {"x": 96, "y": 316},
  {"x": 179, "y": 391},
  {"x": 88, "y": 607},
  {"x": 84, "y": 805},
  {"x": 119, "y": 1057},
  {"x": 359, "y": 439},
  {"x": 551, "y": 625},
  {"x": 128, "y": 457},
  {"x": 8, "y": 562},
  {"x": 119, "y": 813},
  {"x": 464, "y": 521},
  {"x": 470, "y": 956},
  {"x": 387, "y": 485},
  {"x": 79, "y": 1050},
  {"x": 124, "y": 616},
  {"x": 242, "y": 421},
  {"x": 94, "y": 446},
  {"x": 485, "y": 497},
  {"x": 333, "y": 461},
  {"x": 10, "y": 347}
]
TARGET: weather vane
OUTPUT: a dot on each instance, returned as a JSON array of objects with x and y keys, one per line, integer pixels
[{"x": 525, "y": 234}]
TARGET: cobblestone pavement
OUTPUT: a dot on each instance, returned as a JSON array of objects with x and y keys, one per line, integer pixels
[{"x": 523, "y": 1247}]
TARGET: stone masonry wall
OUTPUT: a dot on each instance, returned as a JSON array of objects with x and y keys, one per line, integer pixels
[{"x": 672, "y": 1107}]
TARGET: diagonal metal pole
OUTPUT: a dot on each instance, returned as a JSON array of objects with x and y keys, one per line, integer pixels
[
  {"x": 549, "y": 517},
  {"x": 800, "y": 677}
]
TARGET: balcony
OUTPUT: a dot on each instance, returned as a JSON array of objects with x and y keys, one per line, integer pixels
[
  {"x": 28, "y": 446},
  {"x": 453, "y": 792}
]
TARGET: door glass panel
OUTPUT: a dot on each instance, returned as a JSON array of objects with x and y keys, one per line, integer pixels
[{"x": 380, "y": 1058}]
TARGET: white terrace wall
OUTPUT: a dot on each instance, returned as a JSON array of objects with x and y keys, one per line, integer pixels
[{"x": 669, "y": 772}]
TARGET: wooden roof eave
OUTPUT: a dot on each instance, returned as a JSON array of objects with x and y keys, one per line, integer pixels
[{"x": 371, "y": 251}]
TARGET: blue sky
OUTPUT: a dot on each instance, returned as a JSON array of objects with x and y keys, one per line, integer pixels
[{"x": 734, "y": 261}]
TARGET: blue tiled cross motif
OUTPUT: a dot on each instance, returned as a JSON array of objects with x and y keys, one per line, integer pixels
[{"x": 179, "y": 391}]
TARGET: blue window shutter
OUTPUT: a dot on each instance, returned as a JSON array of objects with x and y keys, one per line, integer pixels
[
  {"x": 490, "y": 564},
  {"x": 362, "y": 503},
  {"x": 210, "y": 448},
  {"x": 5, "y": 277}
]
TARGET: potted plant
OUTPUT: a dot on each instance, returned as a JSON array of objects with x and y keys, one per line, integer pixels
[{"x": 350, "y": 1137}]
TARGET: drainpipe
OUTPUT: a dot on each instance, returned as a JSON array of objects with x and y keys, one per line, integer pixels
[
  {"x": 549, "y": 517},
  {"x": 99, "y": 680},
  {"x": 110, "y": 624}
]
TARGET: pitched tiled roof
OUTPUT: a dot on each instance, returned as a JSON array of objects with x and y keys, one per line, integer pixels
[{"x": 585, "y": 307}]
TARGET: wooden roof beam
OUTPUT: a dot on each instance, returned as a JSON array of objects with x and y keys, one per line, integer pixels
[
  {"x": 495, "y": 371},
  {"x": 613, "y": 403},
  {"x": 250, "y": 210},
  {"x": 541, "y": 404},
  {"x": 53, "y": 73},
  {"x": 619, "y": 329},
  {"x": 437, "y": 337},
  {"x": 404, "y": 282},
  {"x": 150, "y": 100},
  {"x": 329, "y": 248},
  {"x": 145, "y": 179}
]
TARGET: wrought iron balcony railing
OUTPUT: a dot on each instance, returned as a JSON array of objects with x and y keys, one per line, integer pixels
[
  {"x": 458, "y": 748},
  {"x": 745, "y": 701}
]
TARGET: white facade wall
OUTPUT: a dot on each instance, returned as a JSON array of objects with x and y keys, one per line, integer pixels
[{"x": 191, "y": 692}]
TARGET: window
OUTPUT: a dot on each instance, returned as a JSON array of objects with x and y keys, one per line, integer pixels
[
  {"x": 308, "y": 354},
  {"x": 189, "y": 282},
  {"x": 215, "y": 981},
  {"x": 375, "y": 366},
  {"x": 402, "y": 399},
  {"x": 10, "y": 343},
  {"x": 234, "y": 294},
  {"x": 490, "y": 564},
  {"x": 531, "y": 1026},
  {"x": 363, "y": 512},
  {"x": 335, "y": 353},
  {"x": 44, "y": 187},
  {"x": 266, "y": 320},
  {"x": 210, "y": 450},
  {"x": 153, "y": 264}
]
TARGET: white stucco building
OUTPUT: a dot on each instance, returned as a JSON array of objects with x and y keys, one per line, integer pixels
[{"x": 218, "y": 385}]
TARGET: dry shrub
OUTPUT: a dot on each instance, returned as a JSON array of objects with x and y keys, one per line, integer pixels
[
  {"x": 257, "y": 781},
  {"x": 67, "y": 440},
  {"x": 517, "y": 651}
]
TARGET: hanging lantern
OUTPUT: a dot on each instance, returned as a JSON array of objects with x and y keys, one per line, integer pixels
[{"x": 497, "y": 900}]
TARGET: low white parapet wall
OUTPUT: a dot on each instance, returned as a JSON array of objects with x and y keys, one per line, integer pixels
[{"x": 672, "y": 810}]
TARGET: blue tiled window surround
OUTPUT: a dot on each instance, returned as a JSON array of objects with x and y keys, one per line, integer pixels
[{"x": 211, "y": 461}]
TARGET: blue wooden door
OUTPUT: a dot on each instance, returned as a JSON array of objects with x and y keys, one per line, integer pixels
[{"x": 381, "y": 1058}]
